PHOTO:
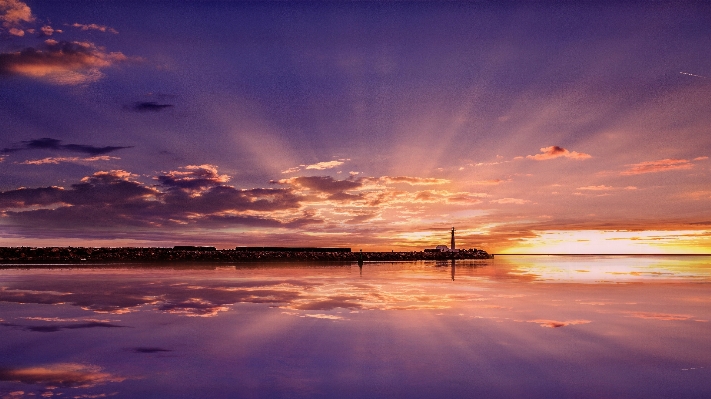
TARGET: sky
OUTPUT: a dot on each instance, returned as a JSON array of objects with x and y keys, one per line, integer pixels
[{"x": 530, "y": 128}]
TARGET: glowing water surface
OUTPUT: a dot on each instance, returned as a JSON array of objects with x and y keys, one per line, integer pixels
[{"x": 515, "y": 326}]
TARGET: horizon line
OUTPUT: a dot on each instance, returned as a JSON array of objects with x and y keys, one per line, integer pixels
[{"x": 606, "y": 254}]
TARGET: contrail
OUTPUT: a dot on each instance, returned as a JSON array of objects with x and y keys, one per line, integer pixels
[{"x": 691, "y": 74}]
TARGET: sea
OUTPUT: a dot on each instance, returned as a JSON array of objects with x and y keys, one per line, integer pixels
[{"x": 509, "y": 327}]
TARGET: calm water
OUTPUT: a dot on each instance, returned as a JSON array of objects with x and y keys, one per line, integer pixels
[{"x": 529, "y": 327}]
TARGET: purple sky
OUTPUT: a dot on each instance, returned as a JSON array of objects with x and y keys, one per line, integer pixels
[{"x": 375, "y": 125}]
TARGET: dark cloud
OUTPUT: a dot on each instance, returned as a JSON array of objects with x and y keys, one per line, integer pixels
[
  {"x": 149, "y": 106},
  {"x": 54, "y": 144},
  {"x": 55, "y": 328},
  {"x": 324, "y": 184},
  {"x": 108, "y": 202}
]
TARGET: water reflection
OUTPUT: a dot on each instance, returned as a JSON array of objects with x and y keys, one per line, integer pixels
[{"x": 612, "y": 326}]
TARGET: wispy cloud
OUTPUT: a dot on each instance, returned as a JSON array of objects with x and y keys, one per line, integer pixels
[
  {"x": 601, "y": 187},
  {"x": 662, "y": 165},
  {"x": 54, "y": 144},
  {"x": 554, "y": 151},
  {"x": 558, "y": 324},
  {"x": 516, "y": 201},
  {"x": 414, "y": 181},
  {"x": 61, "y": 63},
  {"x": 149, "y": 106},
  {"x": 661, "y": 316},
  {"x": 57, "y": 160},
  {"x": 491, "y": 182},
  {"x": 100, "y": 28},
  {"x": 326, "y": 165},
  {"x": 317, "y": 166},
  {"x": 72, "y": 375}
]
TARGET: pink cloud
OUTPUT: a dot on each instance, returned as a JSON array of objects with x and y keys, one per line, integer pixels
[
  {"x": 62, "y": 63},
  {"x": 63, "y": 374},
  {"x": 414, "y": 181},
  {"x": 57, "y": 160},
  {"x": 12, "y": 14},
  {"x": 662, "y": 165},
  {"x": 556, "y": 324},
  {"x": 516, "y": 201},
  {"x": 491, "y": 182},
  {"x": 100, "y": 28},
  {"x": 601, "y": 187},
  {"x": 662, "y": 316},
  {"x": 554, "y": 151}
]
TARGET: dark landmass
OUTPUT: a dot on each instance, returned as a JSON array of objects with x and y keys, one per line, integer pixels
[{"x": 82, "y": 255}]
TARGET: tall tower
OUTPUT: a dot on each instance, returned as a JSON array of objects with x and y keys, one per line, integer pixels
[{"x": 452, "y": 238}]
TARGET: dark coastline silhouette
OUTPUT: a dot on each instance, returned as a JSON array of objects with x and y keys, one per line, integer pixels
[{"x": 79, "y": 255}]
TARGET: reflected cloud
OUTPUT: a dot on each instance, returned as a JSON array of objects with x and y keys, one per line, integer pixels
[
  {"x": 556, "y": 323},
  {"x": 661, "y": 316},
  {"x": 68, "y": 375},
  {"x": 315, "y": 315},
  {"x": 56, "y": 328},
  {"x": 554, "y": 151},
  {"x": 662, "y": 165}
]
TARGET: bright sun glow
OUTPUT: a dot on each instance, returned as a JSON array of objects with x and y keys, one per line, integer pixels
[{"x": 615, "y": 242}]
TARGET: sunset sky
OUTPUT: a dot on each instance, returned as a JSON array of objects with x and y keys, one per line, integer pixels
[{"x": 539, "y": 128}]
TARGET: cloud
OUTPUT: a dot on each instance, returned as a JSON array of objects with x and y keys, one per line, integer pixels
[
  {"x": 414, "y": 181},
  {"x": 557, "y": 324},
  {"x": 193, "y": 177},
  {"x": 195, "y": 195},
  {"x": 55, "y": 328},
  {"x": 443, "y": 196},
  {"x": 324, "y": 184},
  {"x": 492, "y": 182},
  {"x": 12, "y": 14},
  {"x": 661, "y": 316},
  {"x": 516, "y": 201},
  {"x": 57, "y": 160},
  {"x": 49, "y": 31},
  {"x": 100, "y": 28},
  {"x": 601, "y": 187},
  {"x": 150, "y": 106},
  {"x": 326, "y": 165},
  {"x": 54, "y": 144},
  {"x": 662, "y": 165},
  {"x": 554, "y": 151},
  {"x": 291, "y": 170},
  {"x": 62, "y": 63},
  {"x": 69, "y": 375}
]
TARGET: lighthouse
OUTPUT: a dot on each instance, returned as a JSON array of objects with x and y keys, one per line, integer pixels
[{"x": 452, "y": 247}]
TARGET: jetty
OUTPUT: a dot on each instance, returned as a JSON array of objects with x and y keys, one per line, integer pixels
[{"x": 178, "y": 254}]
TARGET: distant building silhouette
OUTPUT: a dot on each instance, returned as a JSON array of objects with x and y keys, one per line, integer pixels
[{"x": 193, "y": 248}]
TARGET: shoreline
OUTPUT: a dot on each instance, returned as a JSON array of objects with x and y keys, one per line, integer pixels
[{"x": 129, "y": 255}]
